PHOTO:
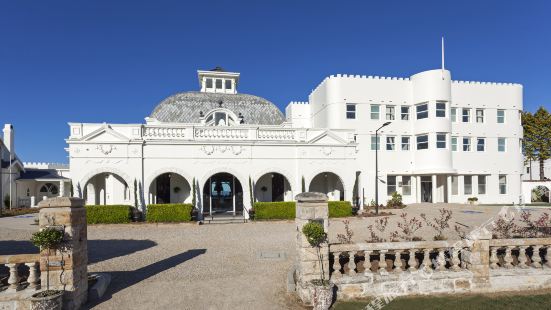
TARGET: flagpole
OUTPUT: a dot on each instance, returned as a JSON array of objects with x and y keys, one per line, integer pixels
[{"x": 442, "y": 57}]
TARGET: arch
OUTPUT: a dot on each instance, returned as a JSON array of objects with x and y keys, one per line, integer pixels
[
  {"x": 158, "y": 172},
  {"x": 230, "y": 119},
  {"x": 170, "y": 187},
  {"x": 540, "y": 193},
  {"x": 111, "y": 170},
  {"x": 106, "y": 188},
  {"x": 47, "y": 189},
  {"x": 272, "y": 186},
  {"x": 328, "y": 183},
  {"x": 279, "y": 170},
  {"x": 222, "y": 194}
]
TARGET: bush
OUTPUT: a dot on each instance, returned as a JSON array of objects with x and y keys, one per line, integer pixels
[
  {"x": 395, "y": 202},
  {"x": 169, "y": 213},
  {"x": 280, "y": 210},
  {"x": 340, "y": 208},
  {"x": 18, "y": 211},
  {"x": 108, "y": 214}
]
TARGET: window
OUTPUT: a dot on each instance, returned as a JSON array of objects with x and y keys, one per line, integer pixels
[
  {"x": 502, "y": 184},
  {"x": 404, "y": 112},
  {"x": 500, "y": 116},
  {"x": 390, "y": 143},
  {"x": 375, "y": 142},
  {"x": 390, "y": 184},
  {"x": 466, "y": 115},
  {"x": 454, "y": 144},
  {"x": 350, "y": 111},
  {"x": 218, "y": 83},
  {"x": 441, "y": 141},
  {"x": 479, "y": 115},
  {"x": 220, "y": 118},
  {"x": 455, "y": 185},
  {"x": 406, "y": 185},
  {"x": 440, "y": 109},
  {"x": 49, "y": 189},
  {"x": 228, "y": 84},
  {"x": 468, "y": 184},
  {"x": 390, "y": 112},
  {"x": 422, "y": 111},
  {"x": 209, "y": 83},
  {"x": 28, "y": 192},
  {"x": 405, "y": 143},
  {"x": 374, "y": 111},
  {"x": 454, "y": 115},
  {"x": 481, "y": 184},
  {"x": 422, "y": 142},
  {"x": 480, "y": 144},
  {"x": 501, "y": 145},
  {"x": 466, "y": 144}
]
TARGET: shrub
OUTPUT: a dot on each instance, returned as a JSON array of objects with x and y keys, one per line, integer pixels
[
  {"x": 167, "y": 213},
  {"x": 395, "y": 201},
  {"x": 108, "y": 214},
  {"x": 340, "y": 208},
  {"x": 281, "y": 210},
  {"x": 18, "y": 211}
]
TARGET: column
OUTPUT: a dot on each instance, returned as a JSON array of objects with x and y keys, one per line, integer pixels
[
  {"x": 90, "y": 194},
  {"x": 418, "y": 187},
  {"x": 72, "y": 275},
  {"x": 449, "y": 187},
  {"x": 61, "y": 188},
  {"x": 435, "y": 195},
  {"x": 310, "y": 207}
]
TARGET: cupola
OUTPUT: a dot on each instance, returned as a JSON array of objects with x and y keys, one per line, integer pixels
[{"x": 218, "y": 80}]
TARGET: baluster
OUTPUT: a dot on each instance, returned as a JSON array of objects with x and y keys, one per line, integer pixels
[
  {"x": 522, "y": 258},
  {"x": 336, "y": 266},
  {"x": 441, "y": 260},
  {"x": 382, "y": 261},
  {"x": 367, "y": 262},
  {"x": 455, "y": 259},
  {"x": 493, "y": 258},
  {"x": 398, "y": 261},
  {"x": 351, "y": 263},
  {"x": 536, "y": 259},
  {"x": 426, "y": 259},
  {"x": 33, "y": 278},
  {"x": 412, "y": 262},
  {"x": 13, "y": 280},
  {"x": 508, "y": 259}
]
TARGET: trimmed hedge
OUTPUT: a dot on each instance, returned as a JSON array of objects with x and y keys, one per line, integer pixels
[
  {"x": 108, "y": 214},
  {"x": 340, "y": 208},
  {"x": 285, "y": 210},
  {"x": 280, "y": 210},
  {"x": 169, "y": 213}
]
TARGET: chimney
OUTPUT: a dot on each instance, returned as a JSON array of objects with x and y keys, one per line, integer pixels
[{"x": 8, "y": 140}]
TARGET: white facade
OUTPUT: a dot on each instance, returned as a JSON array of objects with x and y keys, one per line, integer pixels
[{"x": 325, "y": 144}]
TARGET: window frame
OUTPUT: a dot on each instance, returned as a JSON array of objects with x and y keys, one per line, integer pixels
[
  {"x": 226, "y": 83},
  {"x": 402, "y": 114},
  {"x": 406, "y": 185},
  {"x": 372, "y": 113},
  {"x": 468, "y": 145},
  {"x": 502, "y": 117},
  {"x": 455, "y": 185},
  {"x": 216, "y": 81},
  {"x": 439, "y": 141},
  {"x": 423, "y": 113},
  {"x": 408, "y": 144},
  {"x": 502, "y": 186},
  {"x": 499, "y": 145},
  {"x": 350, "y": 113},
  {"x": 467, "y": 190},
  {"x": 426, "y": 143},
  {"x": 483, "y": 139},
  {"x": 375, "y": 141},
  {"x": 209, "y": 81},
  {"x": 468, "y": 115},
  {"x": 479, "y": 117},
  {"x": 390, "y": 185},
  {"x": 439, "y": 109},
  {"x": 392, "y": 115},
  {"x": 454, "y": 145},
  {"x": 392, "y": 144},
  {"x": 453, "y": 115},
  {"x": 481, "y": 185}
]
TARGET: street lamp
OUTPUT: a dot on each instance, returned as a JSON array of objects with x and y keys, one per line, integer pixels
[{"x": 377, "y": 167}]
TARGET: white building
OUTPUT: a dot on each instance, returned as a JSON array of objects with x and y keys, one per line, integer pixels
[{"x": 447, "y": 141}]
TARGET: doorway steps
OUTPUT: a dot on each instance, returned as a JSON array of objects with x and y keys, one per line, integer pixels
[{"x": 228, "y": 218}]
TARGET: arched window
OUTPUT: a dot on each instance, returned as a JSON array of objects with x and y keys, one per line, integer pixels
[
  {"x": 28, "y": 192},
  {"x": 49, "y": 189},
  {"x": 221, "y": 117}
]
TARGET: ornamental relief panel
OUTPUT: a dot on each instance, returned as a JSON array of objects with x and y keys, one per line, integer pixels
[
  {"x": 223, "y": 149},
  {"x": 107, "y": 150}
]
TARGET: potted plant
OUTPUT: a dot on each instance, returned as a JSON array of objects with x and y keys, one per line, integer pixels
[
  {"x": 472, "y": 200},
  {"x": 48, "y": 239},
  {"x": 322, "y": 295}
]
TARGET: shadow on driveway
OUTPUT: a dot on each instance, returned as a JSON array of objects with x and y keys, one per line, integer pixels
[{"x": 123, "y": 279}]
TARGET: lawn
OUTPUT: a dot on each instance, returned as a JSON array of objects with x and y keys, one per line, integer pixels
[{"x": 500, "y": 301}]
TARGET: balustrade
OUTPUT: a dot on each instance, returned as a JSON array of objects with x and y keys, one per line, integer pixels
[
  {"x": 20, "y": 279},
  {"x": 273, "y": 134},
  {"x": 164, "y": 132},
  {"x": 520, "y": 253}
]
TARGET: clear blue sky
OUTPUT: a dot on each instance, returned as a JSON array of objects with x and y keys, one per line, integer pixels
[{"x": 113, "y": 61}]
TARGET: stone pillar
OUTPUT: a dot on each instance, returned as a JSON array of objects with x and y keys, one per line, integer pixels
[
  {"x": 62, "y": 188},
  {"x": 68, "y": 265},
  {"x": 310, "y": 207},
  {"x": 435, "y": 194},
  {"x": 478, "y": 259}
]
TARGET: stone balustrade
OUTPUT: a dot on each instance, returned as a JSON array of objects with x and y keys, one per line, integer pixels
[
  {"x": 221, "y": 133},
  {"x": 276, "y": 134},
  {"x": 21, "y": 278},
  {"x": 520, "y": 253},
  {"x": 163, "y": 133}
]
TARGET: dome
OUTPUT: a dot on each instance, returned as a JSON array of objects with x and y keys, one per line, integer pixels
[{"x": 186, "y": 108}]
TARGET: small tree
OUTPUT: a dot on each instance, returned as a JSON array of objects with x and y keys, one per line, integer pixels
[
  {"x": 303, "y": 185},
  {"x": 48, "y": 239},
  {"x": 439, "y": 223},
  {"x": 194, "y": 193},
  {"x": 348, "y": 233},
  {"x": 316, "y": 236},
  {"x": 7, "y": 201},
  {"x": 251, "y": 193},
  {"x": 407, "y": 227}
]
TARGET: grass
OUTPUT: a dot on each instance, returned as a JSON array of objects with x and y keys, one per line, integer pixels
[{"x": 463, "y": 302}]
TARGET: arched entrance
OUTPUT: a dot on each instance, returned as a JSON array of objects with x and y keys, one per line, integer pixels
[
  {"x": 272, "y": 187},
  {"x": 540, "y": 194},
  {"x": 169, "y": 188},
  {"x": 222, "y": 194},
  {"x": 106, "y": 189},
  {"x": 328, "y": 183}
]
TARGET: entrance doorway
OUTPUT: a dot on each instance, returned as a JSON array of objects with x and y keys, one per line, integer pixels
[
  {"x": 163, "y": 188},
  {"x": 222, "y": 194},
  {"x": 426, "y": 189}
]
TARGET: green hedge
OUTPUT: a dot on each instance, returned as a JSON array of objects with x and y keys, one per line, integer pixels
[
  {"x": 285, "y": 210},
  {"x": 165, "y": 213},
  {"x": 281, "y": 210},
  {"x": 340, "y": 208},
  {"x": 108, "y": 214}
]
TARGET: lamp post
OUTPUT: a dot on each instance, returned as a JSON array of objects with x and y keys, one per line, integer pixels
[{"x": 377, "y": 167}]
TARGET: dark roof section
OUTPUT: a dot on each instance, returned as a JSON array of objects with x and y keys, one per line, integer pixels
[
  {"x": 185, "y": 108},
  {"x": 38, "y": 174},
  {"x": 219, "y": 69}
]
